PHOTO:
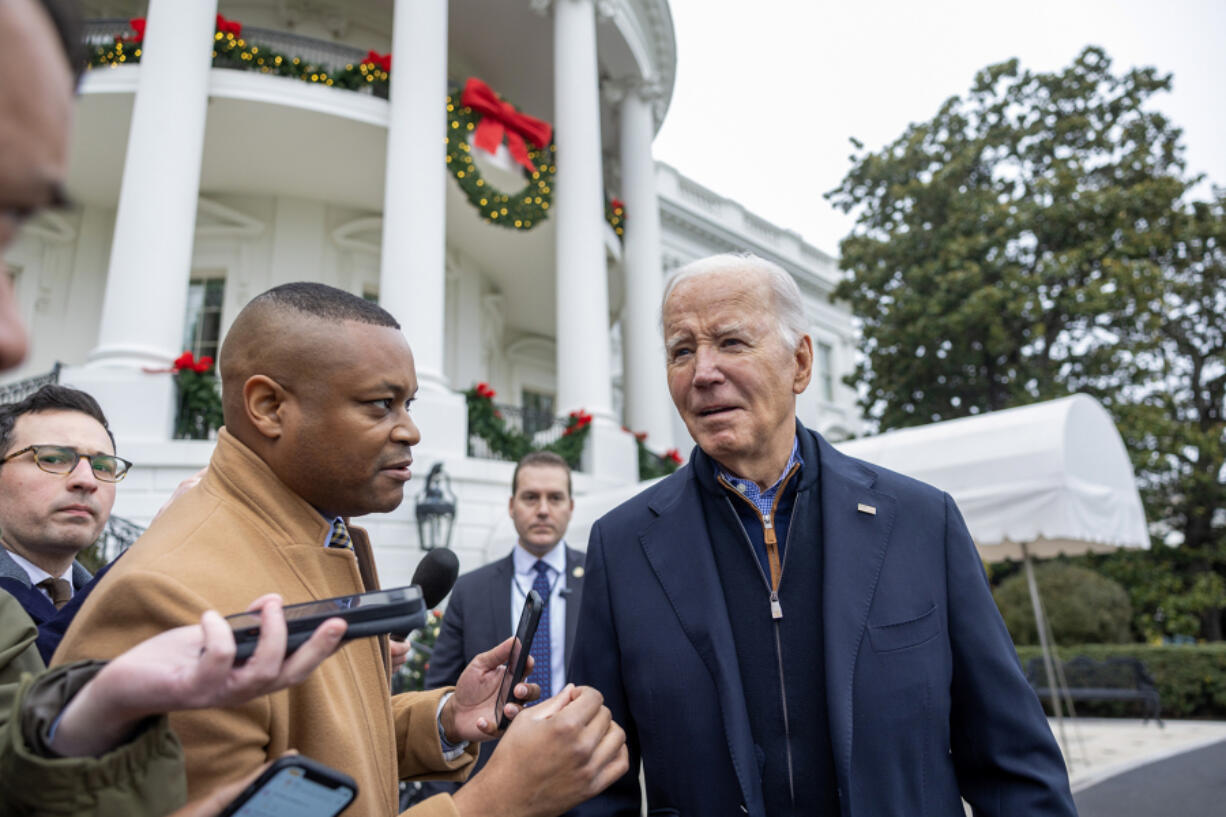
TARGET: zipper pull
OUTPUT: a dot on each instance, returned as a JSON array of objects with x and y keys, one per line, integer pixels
[
  {"x": 776, "y": 607},
  {"x": 768, "y": 531}
]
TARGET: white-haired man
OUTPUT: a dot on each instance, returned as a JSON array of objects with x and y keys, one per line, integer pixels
[{"x": 783, "y": 630}]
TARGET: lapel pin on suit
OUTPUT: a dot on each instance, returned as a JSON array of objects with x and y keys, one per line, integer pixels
[
  {"x": 871, "y": 510},
  {"x": 577, "y": 572}
]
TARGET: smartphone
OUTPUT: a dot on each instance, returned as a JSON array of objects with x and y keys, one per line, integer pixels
[
  {"x": 295, "y": 786},
  {"x": 517, "y": 663},
  {"x": 379, "y": 612}
]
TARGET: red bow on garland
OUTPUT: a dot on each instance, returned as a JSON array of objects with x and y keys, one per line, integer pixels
[
  {"x": 383, "y": 61},
  {"x": 577, "y": 421},
  {"x": 484, "y": 390},
  {"x": 137, "y": 24},
  {"x": 498, "y": 117},
  {"x": 188, "y": 361},
  {"x": 229, "y": 26},
  {"x": 616, "y": 204}
]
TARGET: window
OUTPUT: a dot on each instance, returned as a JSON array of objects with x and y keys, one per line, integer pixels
[
  {"x": 538, "y": 411},
  {"x": 202, "y": 326},
  {"x": 825, "y": 370}
]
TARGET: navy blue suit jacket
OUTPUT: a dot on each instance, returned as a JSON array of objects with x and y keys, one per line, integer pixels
[{"x": 925, "y": 696}]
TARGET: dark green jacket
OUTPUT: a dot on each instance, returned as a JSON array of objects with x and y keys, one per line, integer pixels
[{"x": 142, "y": 777}]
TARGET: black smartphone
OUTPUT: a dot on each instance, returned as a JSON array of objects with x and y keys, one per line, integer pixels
[
  {"x": 517, "y": 663},
  {"x": 397, "y": 610},
  {"x": 295, "y": 786}
]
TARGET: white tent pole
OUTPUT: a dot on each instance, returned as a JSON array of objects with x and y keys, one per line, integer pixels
[{"x": 1041, "y": 626}]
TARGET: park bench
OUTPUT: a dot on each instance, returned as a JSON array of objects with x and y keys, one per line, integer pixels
[{"x": 1115, "y": 679}]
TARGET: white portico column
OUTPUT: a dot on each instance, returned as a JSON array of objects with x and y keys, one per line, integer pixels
[
  {"x": 582, "y": 276},
  {"x": 412, "y": 278},
  {"x": 151, "y": 251},
  {"x": 648, "y": 406}
]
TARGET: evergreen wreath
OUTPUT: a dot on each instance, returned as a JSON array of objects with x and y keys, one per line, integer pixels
[{"x": 521, "y": 210}]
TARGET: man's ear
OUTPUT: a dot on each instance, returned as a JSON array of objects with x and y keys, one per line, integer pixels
[
  {"x": 803, "y": 356},
  {"x": 264, "y": 402}
]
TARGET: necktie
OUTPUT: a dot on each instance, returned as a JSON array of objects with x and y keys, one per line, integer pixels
[
  {"x": 340, "y": 535},
  {"x": 60, "y": 591},
  {"x": 542, "y": 650}
]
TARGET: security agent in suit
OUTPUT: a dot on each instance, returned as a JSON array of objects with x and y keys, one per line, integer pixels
[
  {"x": 485, "y": 604},
  {"x": 52, "y": 507},
  {"x": 784, "y": 630}
]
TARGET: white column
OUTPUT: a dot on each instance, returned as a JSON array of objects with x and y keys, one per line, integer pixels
[
  {"x": 648, "y": 406},
  {"x": 151, "y": 254},
  {"x": 582, "y": 287},
  {"x": 412, "y": 275},
  {"x": 582, "y": 275},
  {"x": 151, "y": 249}
]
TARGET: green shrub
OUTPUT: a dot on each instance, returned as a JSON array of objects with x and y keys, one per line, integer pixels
[
  {"x": 1191, "y": 679},
  {"x": 1082, "y": 606}
]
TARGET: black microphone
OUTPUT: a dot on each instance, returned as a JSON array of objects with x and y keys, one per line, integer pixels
[{"x": 435, "y": 575}]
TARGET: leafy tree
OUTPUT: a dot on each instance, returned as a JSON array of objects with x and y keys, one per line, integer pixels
[
  {"x": 1083, "y": 607},
  {"x": 987, "y": 239},
  {"x": 1034, "y": 239}
]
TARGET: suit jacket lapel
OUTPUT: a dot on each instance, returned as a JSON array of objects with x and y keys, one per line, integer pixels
[
  {"x": 9, "y": 569},
  {"x": 678, "y": 549},
  {"x": 854, "y": 546},
  {"x": 574, "y": 559},
  {"x": 498, "y": 620},
  {"x": 80, "y": 576}
]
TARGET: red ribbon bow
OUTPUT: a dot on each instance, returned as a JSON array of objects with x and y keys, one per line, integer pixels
[
  {"x": 229, "y": 26},
  {"x": 497, "y": 118},
  {"x": 616, "y": 204},
  {"x": 484, "y": 390},
  {"x": 383, "y": 61},
  {"x": 137, "y": 24}
]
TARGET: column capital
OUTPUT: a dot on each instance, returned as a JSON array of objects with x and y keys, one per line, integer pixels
[
  {"x": 616, "y": 89},
  {"x": 605, "y": 9}
]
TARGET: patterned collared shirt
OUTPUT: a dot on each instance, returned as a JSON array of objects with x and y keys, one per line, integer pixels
[{"x": 763, "y": 500}]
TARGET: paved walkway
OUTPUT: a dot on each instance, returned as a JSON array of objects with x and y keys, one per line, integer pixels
[
  {"x": 1101, "y": 748},
  {"x": 1189, "y": 784}
]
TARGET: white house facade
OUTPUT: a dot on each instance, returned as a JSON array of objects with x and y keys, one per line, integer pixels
[{"x": 198, "y": 184}]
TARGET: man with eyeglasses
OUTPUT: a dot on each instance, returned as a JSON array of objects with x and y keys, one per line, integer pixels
[{"x": 58, "y": 471}]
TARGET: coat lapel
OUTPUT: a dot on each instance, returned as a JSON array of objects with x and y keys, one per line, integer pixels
[
  {"x": 854, "y": 545},
  {"x": 574, "y": 584},
  {"x": 498, "y": 620},
  {"x": 677, "y": 546}
]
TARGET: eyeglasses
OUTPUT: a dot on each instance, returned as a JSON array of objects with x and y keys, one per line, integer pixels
[{"x": 62, "y": 460}]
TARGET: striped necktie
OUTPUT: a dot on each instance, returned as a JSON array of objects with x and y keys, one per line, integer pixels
[{"x": 340, "y": 535}]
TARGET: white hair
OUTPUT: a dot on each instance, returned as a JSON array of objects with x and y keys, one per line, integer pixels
[{"x": 788, "y": 307}]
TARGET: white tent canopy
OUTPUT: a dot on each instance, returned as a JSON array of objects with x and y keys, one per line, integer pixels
[{"x": 1053, "y": 475}]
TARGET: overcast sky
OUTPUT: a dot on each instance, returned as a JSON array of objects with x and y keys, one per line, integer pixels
[{"x": 768, "y": 92}]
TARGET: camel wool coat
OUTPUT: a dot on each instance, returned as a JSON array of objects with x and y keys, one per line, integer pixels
[{"x": 239, "y": 534}]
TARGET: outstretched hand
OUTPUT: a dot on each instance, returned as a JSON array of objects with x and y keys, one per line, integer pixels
[
  {"x": 553, "y": 757},
  {"x": 469, "y": 713},
  {"x": 188, "y": 668}
]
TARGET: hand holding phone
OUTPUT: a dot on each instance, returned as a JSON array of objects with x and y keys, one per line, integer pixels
[
  {"x": 517, "y": 663},
  {"x": 379, "y": 612}
]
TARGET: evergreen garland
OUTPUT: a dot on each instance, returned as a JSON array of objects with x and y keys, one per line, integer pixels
[{"x": 486, "y": 421}]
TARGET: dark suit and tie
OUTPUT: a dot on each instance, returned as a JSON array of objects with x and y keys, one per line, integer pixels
[
  {"x": 837, "y": 653},
  {"x": 52, "y": 619},
  {"x": 485, "y": 604}
]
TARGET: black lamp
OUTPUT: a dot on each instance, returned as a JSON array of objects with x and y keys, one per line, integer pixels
[{"x": 435, "y": 507}]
